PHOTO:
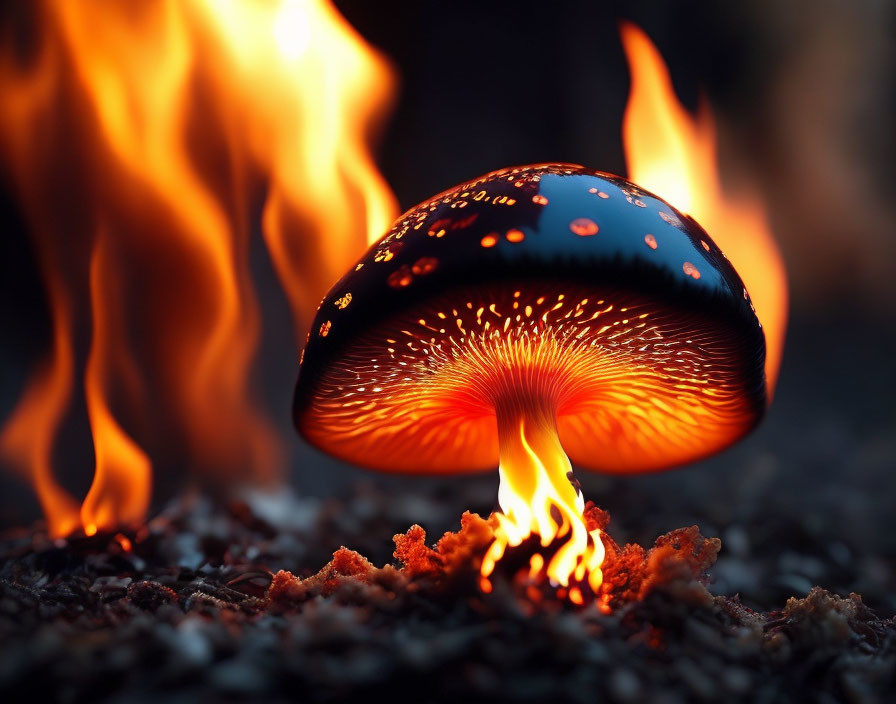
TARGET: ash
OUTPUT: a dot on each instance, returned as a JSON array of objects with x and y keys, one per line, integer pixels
[{"x": 247, "y": 601}]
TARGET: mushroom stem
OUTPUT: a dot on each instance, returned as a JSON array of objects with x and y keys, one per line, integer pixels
[{"x": 538, "y": 493}]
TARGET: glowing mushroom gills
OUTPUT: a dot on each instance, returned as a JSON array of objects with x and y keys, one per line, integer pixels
[{"x": 634, "y": 346}]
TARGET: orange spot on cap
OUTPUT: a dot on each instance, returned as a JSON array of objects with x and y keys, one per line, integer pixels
[
  {"x": 691, "y": 270},
  {"x": 489, "y": 241},
  {"x": 400, "y": 278},
  {"x": 515, "y": 236},
  {"x": 584, "y": 227},
  {"x": 650, "y": 241},
  {"x": 424, "y": 265},
  {"x": 670, "y": 219}
]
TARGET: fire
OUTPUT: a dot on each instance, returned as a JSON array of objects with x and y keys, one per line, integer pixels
[
  {"x": 143, "y": 142},
  {"x": 27, "y": 438},
  {"x": 537, "y": 497},
  {"x": 119, "y": 494},
  {"x": 673, "y": 154}
]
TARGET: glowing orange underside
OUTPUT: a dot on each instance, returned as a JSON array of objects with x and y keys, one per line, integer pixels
[
  {"x": 649, "y": 388},
  {"x": 620, "y": 385}
]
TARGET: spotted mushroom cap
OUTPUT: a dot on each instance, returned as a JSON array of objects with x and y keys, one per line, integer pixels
[{"x": 550, "y": 280}]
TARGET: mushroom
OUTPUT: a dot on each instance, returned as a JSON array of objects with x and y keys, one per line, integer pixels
[{"x": 533, "y": 315}]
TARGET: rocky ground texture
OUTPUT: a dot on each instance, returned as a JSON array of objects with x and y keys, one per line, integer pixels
[{"x": 246, "y": 601}]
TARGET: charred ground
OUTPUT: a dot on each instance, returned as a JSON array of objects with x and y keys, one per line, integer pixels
[{"x": 247, "y": 601}]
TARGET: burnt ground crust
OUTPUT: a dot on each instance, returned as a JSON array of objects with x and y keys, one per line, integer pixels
[{"x": 201, "y": 610}]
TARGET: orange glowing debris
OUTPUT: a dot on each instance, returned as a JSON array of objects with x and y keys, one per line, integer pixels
[{"x": 673, "y": 153}]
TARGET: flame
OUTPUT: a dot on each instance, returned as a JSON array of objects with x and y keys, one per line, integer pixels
[
  {"x": 537, "y": 497},
  {"x": 323, "y": 178},
  {"x": 674, "y": 155},
  {"x": 120, "y": 491},
  {"x": 142, "y": 143},
  {"x": 26, "y": 441}
]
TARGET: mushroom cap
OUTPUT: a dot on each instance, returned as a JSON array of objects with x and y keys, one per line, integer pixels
[{"x": 547, "y": 284}]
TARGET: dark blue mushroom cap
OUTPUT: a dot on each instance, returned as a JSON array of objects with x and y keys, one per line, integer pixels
[{"x": 553, "y": 280}]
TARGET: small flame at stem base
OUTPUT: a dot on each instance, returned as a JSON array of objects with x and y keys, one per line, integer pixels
[{"x": 538, "y": 497}]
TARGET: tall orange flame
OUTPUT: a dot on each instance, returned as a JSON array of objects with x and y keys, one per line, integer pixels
[
  {"x": 153, "y": 136},
  {"x": 120, "y": 491},
  {"x": 674, "y": 155},
  {"x": 26, "y": 441}
]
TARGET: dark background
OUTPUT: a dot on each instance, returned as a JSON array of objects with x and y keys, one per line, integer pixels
[{"x": 805, "y": 94}]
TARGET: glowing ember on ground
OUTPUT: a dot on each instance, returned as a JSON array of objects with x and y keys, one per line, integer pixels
[{"x": 632, "y": 572}]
